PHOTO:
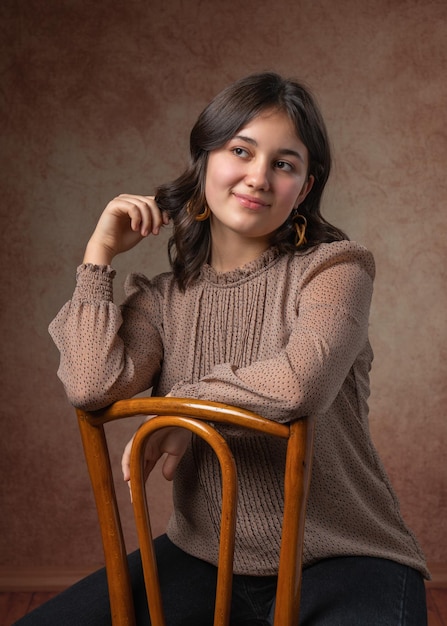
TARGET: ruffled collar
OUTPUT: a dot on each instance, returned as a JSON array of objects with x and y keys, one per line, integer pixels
[{"x": 248, "y": 271}]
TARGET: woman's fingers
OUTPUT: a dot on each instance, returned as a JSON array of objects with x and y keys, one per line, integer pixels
[
  {"x": 144, "y": 213},
  {"x": 170, "y": 465},
  {"x": 125, "y": 460},
  {"x": 170, "y": 441},
  {"x": 123, "y": 223}
]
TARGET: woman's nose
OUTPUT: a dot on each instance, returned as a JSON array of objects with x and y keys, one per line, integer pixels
[{"x": 257, "y": 175}]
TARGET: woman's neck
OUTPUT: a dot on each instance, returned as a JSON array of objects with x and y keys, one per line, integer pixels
[{"x": 230, "y": 253}]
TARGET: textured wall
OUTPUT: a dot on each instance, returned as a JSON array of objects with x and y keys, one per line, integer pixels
[{"x": 98, "y": 99}]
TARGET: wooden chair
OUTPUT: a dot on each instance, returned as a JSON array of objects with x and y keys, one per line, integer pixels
[{"x": 198, "y": 416}]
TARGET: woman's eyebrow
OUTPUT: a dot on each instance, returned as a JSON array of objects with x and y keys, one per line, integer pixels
[{"x": 282, "y": 151}]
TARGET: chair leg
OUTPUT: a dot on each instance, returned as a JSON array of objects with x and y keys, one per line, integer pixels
[{"x": 118, "y": 579}]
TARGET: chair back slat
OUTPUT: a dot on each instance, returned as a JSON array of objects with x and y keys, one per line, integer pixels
[{"x": 228, "y": 513}]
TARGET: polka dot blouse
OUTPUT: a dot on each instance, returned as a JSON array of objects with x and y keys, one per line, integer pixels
[{"x": 284, "y": 336}]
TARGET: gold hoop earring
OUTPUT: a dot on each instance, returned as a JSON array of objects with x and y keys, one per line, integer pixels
[
  {"x": 300, "y": 223},
  {"x": 201, "y": 217}
]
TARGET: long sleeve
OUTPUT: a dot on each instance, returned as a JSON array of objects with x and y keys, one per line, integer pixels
[
  {"x": 107, "y": 352},
  {"x": 328, "y": 333}
]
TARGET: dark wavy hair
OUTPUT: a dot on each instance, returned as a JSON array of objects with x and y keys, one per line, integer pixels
[{"x": 232, "y": 109}]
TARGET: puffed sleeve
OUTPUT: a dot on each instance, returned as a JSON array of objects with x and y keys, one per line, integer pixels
[
  {"x": 329, "y": 333},
  {"x": 107, "y": 352}
]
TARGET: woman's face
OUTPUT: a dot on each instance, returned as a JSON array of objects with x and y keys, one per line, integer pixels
[{"x": 257, "y": 178}]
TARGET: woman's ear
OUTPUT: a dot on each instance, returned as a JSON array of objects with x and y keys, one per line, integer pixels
[{"x": 305, "y": 190}]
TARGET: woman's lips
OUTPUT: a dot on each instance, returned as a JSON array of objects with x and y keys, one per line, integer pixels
[{"x": 250, "y": 202}]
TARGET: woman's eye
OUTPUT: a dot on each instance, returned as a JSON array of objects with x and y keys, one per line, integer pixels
[
  {"x": 283, "y": 165},
  {"x": 240, "y": 152}
]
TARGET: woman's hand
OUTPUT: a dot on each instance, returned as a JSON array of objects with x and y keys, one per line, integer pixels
[
  {"x": 125, "y": 221},
  {"x": 171, "y": 441}
]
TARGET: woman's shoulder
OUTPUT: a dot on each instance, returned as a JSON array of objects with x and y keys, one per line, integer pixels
[
  {"x": 156, "y": 285},
  {"x": 336, "y": 252}
]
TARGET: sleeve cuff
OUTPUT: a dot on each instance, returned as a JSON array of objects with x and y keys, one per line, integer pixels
[{"x": 94, "y": 283}]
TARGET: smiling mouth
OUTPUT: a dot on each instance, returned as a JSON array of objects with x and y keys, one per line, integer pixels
[{"x": 250, "y": 202}]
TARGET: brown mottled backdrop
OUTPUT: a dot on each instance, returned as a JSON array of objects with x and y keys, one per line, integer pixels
[{"x": 97, "y": 98}]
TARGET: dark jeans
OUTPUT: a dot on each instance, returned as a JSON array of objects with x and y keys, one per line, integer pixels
[{"x": 348, "y": 591}]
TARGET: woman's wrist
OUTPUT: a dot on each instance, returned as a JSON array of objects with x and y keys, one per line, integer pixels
[{"x": 97, "y": 254}]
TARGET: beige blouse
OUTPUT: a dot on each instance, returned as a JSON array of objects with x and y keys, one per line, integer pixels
[{"x": 284, "y": 336}]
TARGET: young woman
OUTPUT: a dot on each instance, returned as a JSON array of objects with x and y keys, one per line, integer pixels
[{"x": 267, "y": 308}]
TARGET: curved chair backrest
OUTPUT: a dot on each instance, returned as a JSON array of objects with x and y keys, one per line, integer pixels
[{"x": 198, "y": 416}]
